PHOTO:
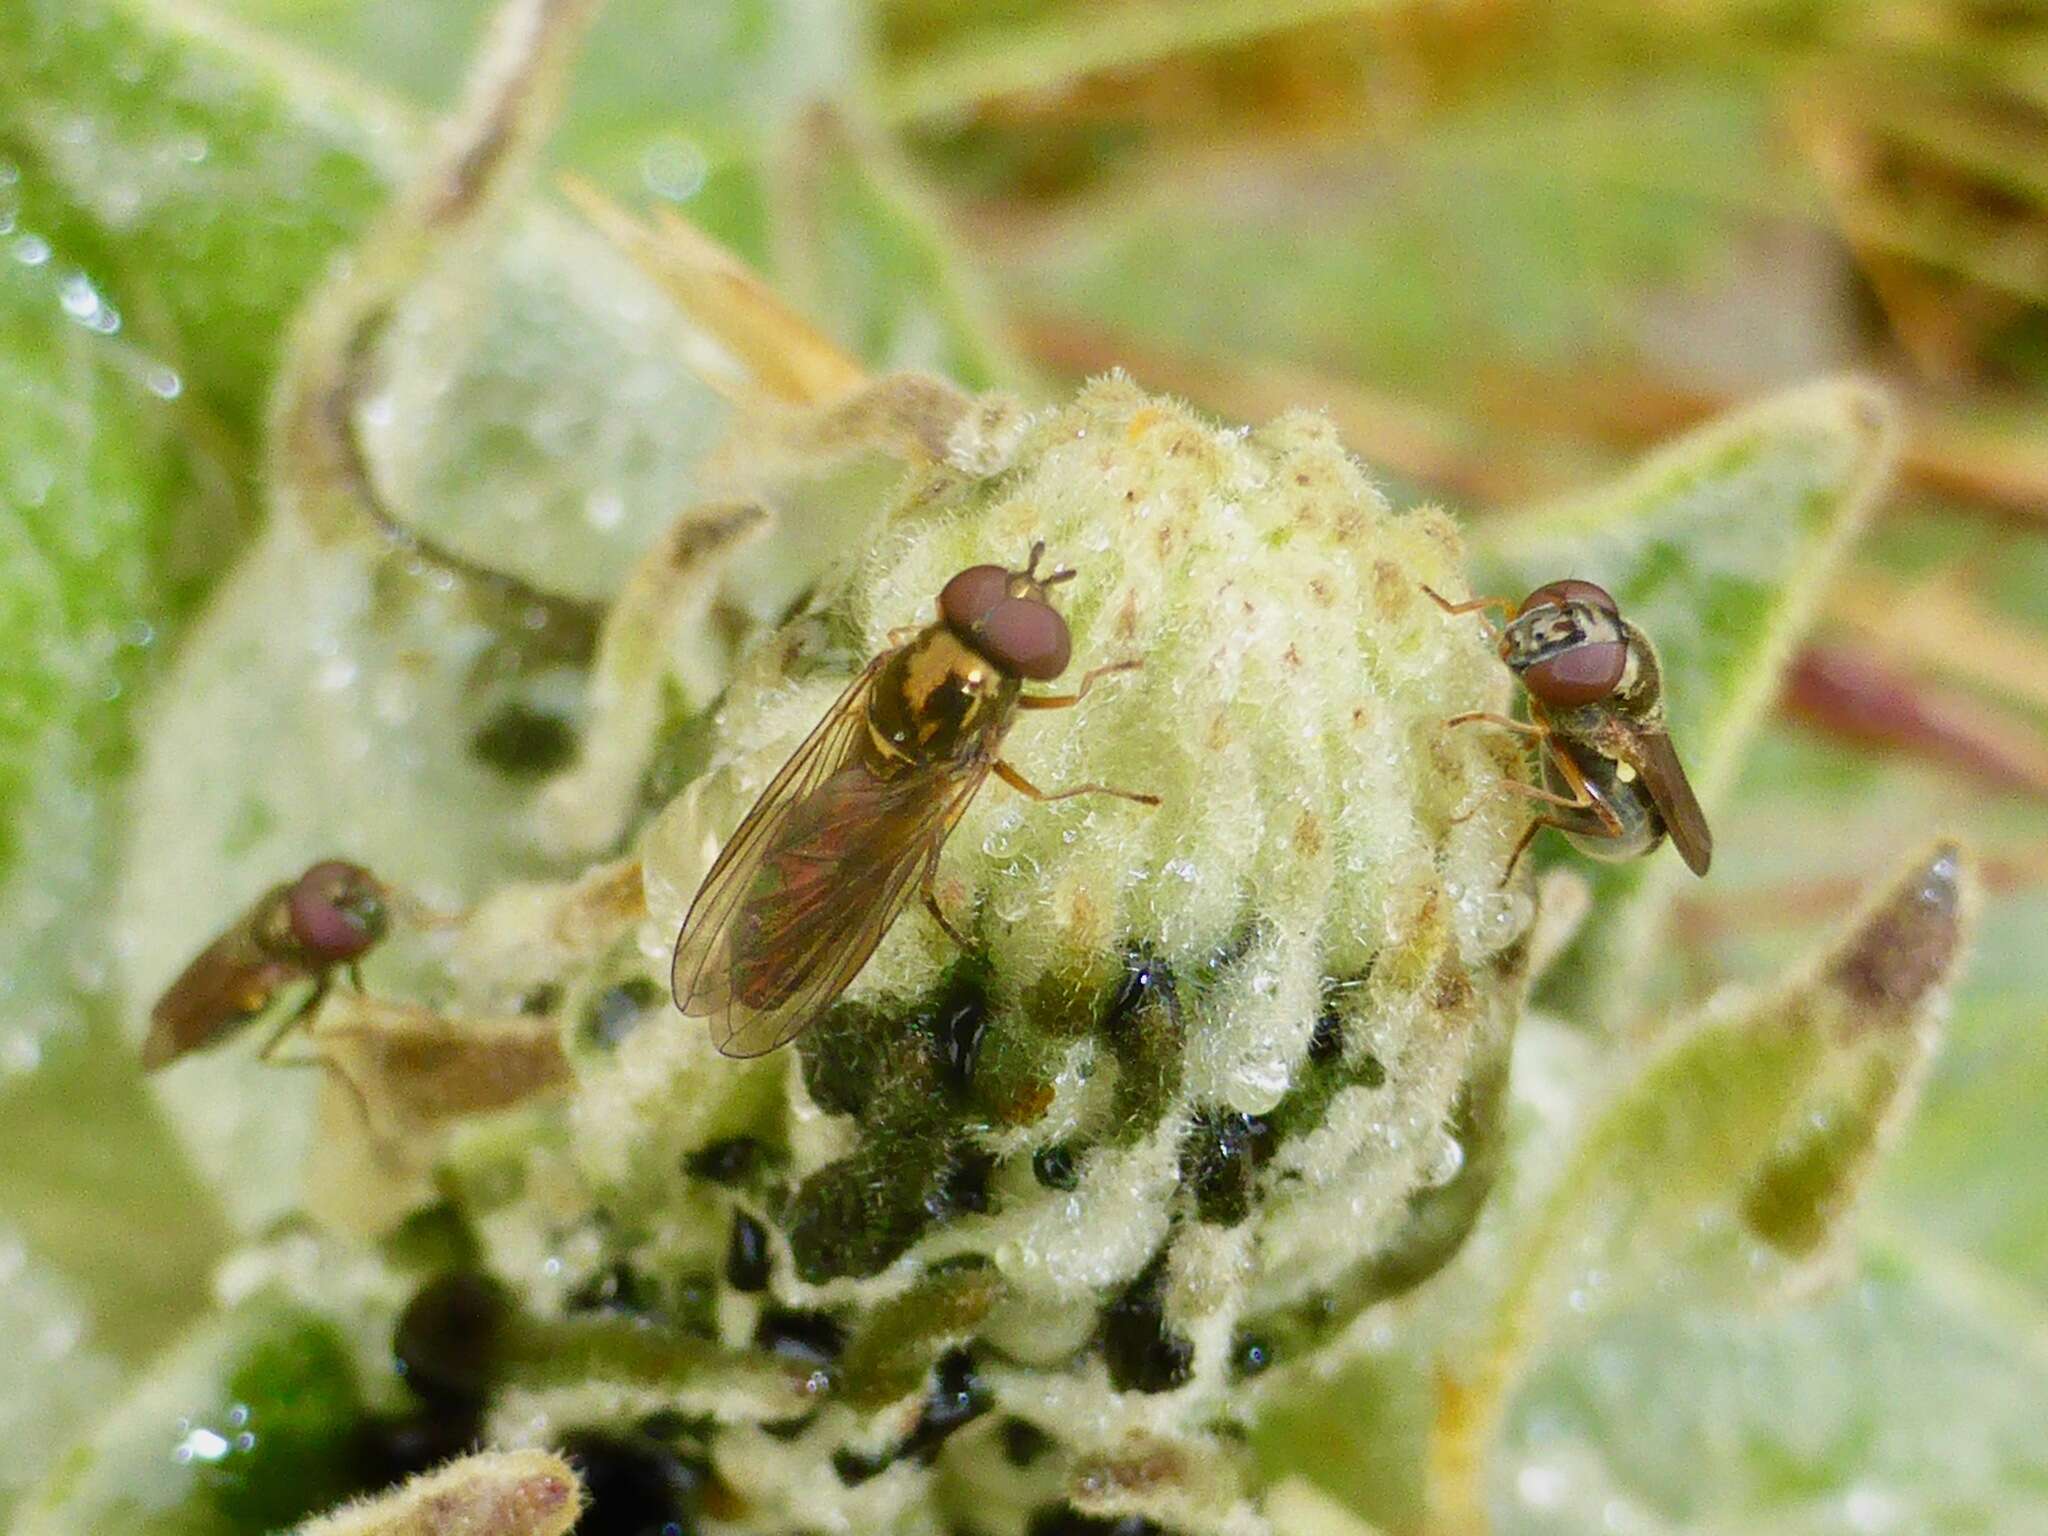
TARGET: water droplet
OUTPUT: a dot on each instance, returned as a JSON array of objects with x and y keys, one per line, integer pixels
[
  {"x": 163, "y": 382},
  {"x": 673, "y": 168},
  {"x": 1871, "y": 1511},
  {"x": 1444, "y": 1162},
  {"x": 336, "y": 674},
  {"x": 20, "y": 1053},
  {"x": 1540, "y": 1486},
  {"x": 604, "y": 509},
  {"x": 31, "y": 250},
  {"x": 201, "y": 1445},
  {"x": 80, "y": 299}
]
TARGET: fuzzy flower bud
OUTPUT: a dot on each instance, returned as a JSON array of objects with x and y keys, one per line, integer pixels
[{"x": 1211, "y": 1079}]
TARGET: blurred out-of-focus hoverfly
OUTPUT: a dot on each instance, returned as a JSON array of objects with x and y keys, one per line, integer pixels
[{"x": 302, "y": 931}]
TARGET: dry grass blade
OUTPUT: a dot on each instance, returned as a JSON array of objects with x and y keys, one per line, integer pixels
[
  {"x": 762, "y": 344},
  {"x": 1847, "y": 693},
  {"x": 1056, "y": 48},
  {"x": 1939, "y": 625}
]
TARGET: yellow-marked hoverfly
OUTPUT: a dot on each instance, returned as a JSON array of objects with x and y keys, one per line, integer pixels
[
  {"x": 812, "y": 878},
  {"x": 1612, "y": 782}
]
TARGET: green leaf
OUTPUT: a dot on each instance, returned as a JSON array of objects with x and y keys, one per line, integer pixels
[
  {"x": 865, "y": 257},
  {"x": 1719, "y": 547},
  {"x": 207, "y": 179},
  {"x": 531, "y": 401},
  {"x": 94, "y": 479},
  {"x": 1969, "y": 1174}
]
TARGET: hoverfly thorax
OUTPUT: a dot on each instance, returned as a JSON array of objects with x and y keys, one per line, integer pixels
[{"x": 960, "y": 677}]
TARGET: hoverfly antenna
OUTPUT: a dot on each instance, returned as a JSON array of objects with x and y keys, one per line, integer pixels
[
  {"x": 1064, "y": 573},
  {"x": 1037, "y": 554}
]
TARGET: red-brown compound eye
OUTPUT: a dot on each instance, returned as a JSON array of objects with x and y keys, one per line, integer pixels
[
  {"x": 968, "y": 597},
  {"x": 337, "y": 911},
  {"x": 1581, "y": 674},
  {"x": 1555, "y": 594},
  {"x": 1026, "y": 638}
]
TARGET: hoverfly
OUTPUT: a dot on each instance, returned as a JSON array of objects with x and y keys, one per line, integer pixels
[
  {"x": 304, "y": 930},
  {"x": 816, "y": 872},
  {"x": 1611, "y": 781}
]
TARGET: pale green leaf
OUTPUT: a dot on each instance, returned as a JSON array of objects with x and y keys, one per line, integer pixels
[
  {"x": 1752, "y": 1123},
  {"x": 1880, "y": 1408},
  {"x": 52, "y": 1375},
  {"x": 248, "y": 1424}
]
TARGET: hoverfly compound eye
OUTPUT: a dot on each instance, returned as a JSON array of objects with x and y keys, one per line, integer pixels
[
  {"x": 337, "y": 910},
  {"x": 1026, "y": 638},
  {"x": 1579, "y": 674},
  {"x": 967, "y": 598},
  {"x": 1556, "y": 594}
]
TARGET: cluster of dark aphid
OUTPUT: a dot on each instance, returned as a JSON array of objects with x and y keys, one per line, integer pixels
[{"x": 653, "y": 1478}]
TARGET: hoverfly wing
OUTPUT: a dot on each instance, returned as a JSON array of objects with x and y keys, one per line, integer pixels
[
  {"x": 841, "y": 875},
  {"x": 227, "y": 983},
  {"x": 1664, "y": 777},
  {"x": 725, "y": 954}
]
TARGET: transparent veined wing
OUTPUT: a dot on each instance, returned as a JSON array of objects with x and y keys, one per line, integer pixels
[{"x": 810, "y": 882}]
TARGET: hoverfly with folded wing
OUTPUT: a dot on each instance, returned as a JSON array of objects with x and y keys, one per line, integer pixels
[
  {"x": 1612, "y": 780},
  {"x": 304, "y": 930},
  {"x": 830, "y": 854}
]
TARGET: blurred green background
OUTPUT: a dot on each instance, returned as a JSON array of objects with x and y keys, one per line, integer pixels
[{"x": 1507, "y": 244}]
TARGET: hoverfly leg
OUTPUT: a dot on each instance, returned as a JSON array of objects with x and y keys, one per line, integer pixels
[
  {"x": 297, "y": 1017},
  {"x": 1591, "y": 820},
  {"x": 1470, "y": 605},
  {"x": 1583, "y": 814},
  {"x": 1610, "y": 825},
  {"x": 293, "y": 1022},
  {"x": 931, "y": 905},
  {"x": 1069, "y": 700},
  {"x": 1505, "y": 722},
  {"x": 1025, "y": 787}
]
